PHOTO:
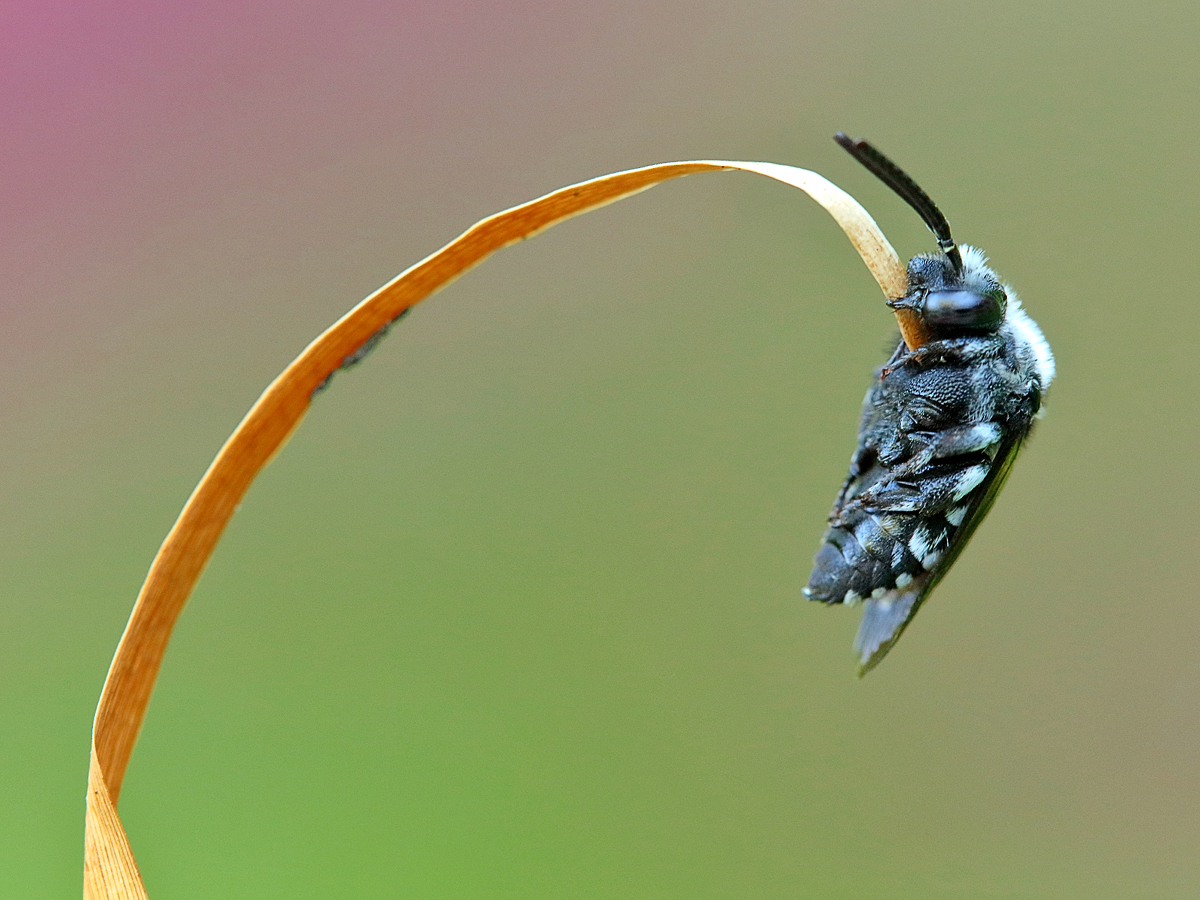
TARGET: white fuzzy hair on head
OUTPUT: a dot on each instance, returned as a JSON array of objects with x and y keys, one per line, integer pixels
[{"x": 1029, "y": 337}]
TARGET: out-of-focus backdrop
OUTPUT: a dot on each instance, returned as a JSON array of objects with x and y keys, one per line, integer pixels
[{"x": 517, "y": 612}]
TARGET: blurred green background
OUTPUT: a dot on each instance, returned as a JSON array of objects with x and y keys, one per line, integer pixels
[{"x": 517, "y": 613}]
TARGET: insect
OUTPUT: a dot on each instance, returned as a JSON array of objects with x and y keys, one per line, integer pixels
[{"x": 941, "y": 426}]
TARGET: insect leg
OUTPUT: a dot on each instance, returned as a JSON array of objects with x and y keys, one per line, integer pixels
[
  {"x": 931, "y": 491},
  {"x": 966, "y": 439}
]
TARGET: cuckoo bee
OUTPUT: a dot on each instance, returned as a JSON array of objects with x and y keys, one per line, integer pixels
[{"x": 941, "y": 425}]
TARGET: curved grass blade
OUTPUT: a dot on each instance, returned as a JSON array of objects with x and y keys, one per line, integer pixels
[{"x": 110, "y": 870}]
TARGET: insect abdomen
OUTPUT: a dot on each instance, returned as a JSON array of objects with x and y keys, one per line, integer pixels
[{"x": 868, "y": 554}]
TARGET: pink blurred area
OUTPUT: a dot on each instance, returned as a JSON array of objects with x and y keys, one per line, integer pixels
[
  {"x": 118, "y": 112},
  {"x": 132, "y": 129},
  {"x": 116, "y": 115},
  {"x": 137, "y": 131},
  {"x": 119, "y": 116}
]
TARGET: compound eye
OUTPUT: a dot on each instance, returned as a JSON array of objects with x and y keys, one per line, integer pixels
[{"x": 963, "y": 309}]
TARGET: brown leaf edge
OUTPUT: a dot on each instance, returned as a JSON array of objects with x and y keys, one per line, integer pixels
[{"x": 110, "y": 870}]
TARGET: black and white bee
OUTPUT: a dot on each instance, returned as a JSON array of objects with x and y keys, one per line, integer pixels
[{"x": 942, "y": 423}]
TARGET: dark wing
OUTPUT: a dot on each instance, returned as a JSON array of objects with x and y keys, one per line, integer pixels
[{"x": 885, "y": 618}]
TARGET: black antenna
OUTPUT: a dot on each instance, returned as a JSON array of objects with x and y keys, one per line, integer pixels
[{"x": 910, "y": 192}]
